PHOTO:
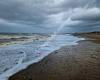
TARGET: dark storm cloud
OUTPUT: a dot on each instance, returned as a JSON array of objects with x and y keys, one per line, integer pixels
[
  {"x": 15, "y": 10},
  {"x": 39, "y": 15},
  {"x": 90, "y": 14}
]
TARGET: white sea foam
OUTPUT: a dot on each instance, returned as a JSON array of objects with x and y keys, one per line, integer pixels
[{"x": 18, "y": 57}]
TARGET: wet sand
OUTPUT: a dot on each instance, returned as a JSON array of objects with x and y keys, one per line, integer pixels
[{"x": 78, "y": 62}]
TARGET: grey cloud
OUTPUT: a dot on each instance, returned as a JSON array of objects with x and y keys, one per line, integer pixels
[
  {"x": 36, "y": 15},
  {"x": 80, "y": 4},
  {"x": 90, "y": 14},
  {"x": 16, "y": 10}
]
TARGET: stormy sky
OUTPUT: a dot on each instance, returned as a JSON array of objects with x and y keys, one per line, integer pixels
[{"x": 48, "y": 15}]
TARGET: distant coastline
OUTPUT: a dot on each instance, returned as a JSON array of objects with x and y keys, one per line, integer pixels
[{"x": 18, "y": 38}]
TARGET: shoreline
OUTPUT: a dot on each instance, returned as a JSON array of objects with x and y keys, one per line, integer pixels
[
  {"x": 81, "y": 56},
  {"x": 40, "y": 70}
]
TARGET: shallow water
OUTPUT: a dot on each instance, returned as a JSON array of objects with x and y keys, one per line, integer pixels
[{"x": 17, "y": 57}]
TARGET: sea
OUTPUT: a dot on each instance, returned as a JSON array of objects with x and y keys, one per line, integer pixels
[{"x": 14, "y": 58}]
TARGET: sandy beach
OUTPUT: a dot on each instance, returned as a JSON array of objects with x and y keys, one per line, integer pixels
[{"x": 78, "y": 62}]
